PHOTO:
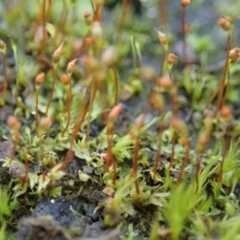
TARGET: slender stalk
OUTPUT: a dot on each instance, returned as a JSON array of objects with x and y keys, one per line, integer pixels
[
  {"x": 25, "y": 178},
  {"x": 13, "y": 152},
  {"x": 158, "y": 155},
  {"x": 225, "y": 73},
  {"x": 225, "y": 152},
  {"x": 163, "y": 14},
  {"x": 92, "y": 98},
  {"x": 112, "y": 116},
  {"x": 5, "y": 83},
  {"x": 76, "y": 129},
  {"x": 219, "y": 92},
  {"x": 114, "y": 171},
  {"x": 49, "y": 10},
  {"x": 134, "y": 171},
  {"x": 162, "y": 64},
  {"x": 227, "y": 89},
  {"x": 68, "y": 102},
  {"x": 184, "y": 34},
  {"x": 98, "y": 9},
  {"x": 63, "y": 18},
  {"x": 36, "y": 112},
  {"x": 198, "y": 169},
  {"x": 52, "y": 90},
  {"x": 184, "y": 163},
  {"x": 116, "y": 85},
  {"x": 103, "y": 95},
  {"x": 109, "y": 155},
  {"x": 135, "y": 162},
  {"x": 125, "y": 9},
  {"x": 174, "y": 139},
  {"x": 43, "y": 28}
]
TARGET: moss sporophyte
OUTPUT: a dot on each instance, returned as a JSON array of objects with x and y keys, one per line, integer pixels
[{"x": 117, "y": 125}]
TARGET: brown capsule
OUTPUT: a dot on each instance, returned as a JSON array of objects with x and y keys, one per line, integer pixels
[
  {"x": 156, "y": 100},
  {"x": 71, "y": 66},
  {"x": 234, "y": 54},
  {"x": 163, "y": 38},
  {"x": 87, "y": 18},
  {"x": 57, "y": 54},
  {"x": 165, "y": 82},
  {"x": 225, "y": 23},
  {"x": 65, "y": 79},
  {"x": 2, "y": 47},
  {"x": 13, "y": 122},
  {"x": 148, "y": 73},
  {"x": 203, "y": 139},
  {"x": 114, "y": 113},
  {"x": 185, "y": 2},
  {"x": 179, "y": 125},
  {"x": 46, "y": 122},
  {"x": 40, "y": 78},
  {"x": 226, "y": 112},
  {"x": 184, "y": 141},
  {"x": 171, "y": 58}
]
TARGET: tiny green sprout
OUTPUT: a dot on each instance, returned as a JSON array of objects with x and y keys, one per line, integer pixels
[
  {"x": 3, "y": 231},
  {"x": 83, "y": 176},
  {"x": 55, "y": 173},
  {"x": 5, "y": 209},
  {"x": 178, "y": 208}
]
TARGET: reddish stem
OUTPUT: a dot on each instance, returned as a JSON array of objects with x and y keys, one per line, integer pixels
[
  {"x": 198, "y": 169},
  {"x": 135, "y": 161},
  {"x": 126, "y": 6},
  {"x": 220, "y": 89},
  {"x": 49, "y": 10},
  {"x": 36, "y": 114},
  {"x": 43, "y": 28},
  {"x": 226, "y": 150},
  {"x": 98, "y": 12},
  {"x": 68, "y": 102},
  {"x": 163, "y": 14},
  {"x": 116, "y": 85},
  {"x": 109, "y": 155},
  {"x": 222, "y": 83},
  {"x": 174, "y": 139},
  {"x": 5, "y": 83},
  {"x": 158, "y": 155},
  {"x": 52, "y": 90},
  {"x": 184, "y": 34},
  {"x": 93, "y": 96},
  {"x": 75, "y": 131},
  {"x": 184, "y": 163}
]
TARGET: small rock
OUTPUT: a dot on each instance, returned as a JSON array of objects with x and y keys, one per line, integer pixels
[
  {"x": 6, "y": 149},
  {"x": 40, "y": 229}
]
